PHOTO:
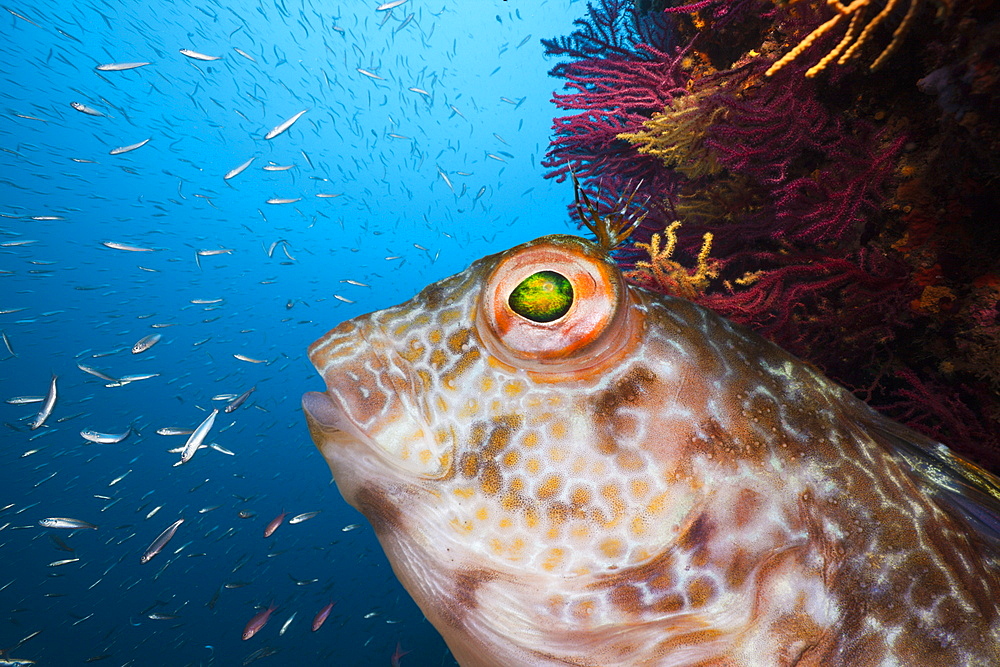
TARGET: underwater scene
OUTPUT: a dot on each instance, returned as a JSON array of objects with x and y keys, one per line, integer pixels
[{"x": 191, "y": 194}]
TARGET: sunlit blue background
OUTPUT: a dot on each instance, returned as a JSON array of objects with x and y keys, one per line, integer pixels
[{"x": 396, "y": 226}]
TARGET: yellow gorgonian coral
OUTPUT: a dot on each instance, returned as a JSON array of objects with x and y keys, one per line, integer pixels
[
  {"x": 677, "y": 136},
  {"x": 667, "y": 274},
  {"x": 863, "y": 18}
]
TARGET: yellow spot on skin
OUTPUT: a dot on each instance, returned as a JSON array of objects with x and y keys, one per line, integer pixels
[
  {"x": 580, "y": 496},
  {"x": 496, "y": 546},
  {"x": 434, "y": 336},
  {"x": 461, "y": 526},
  {"x": 513, "y": 388},
  {"x": 531, "y": 518},
  {"x": 486, "y": 385},
  {"x": 506, "y": 522},
  {"x": 438, "y": 359},
  {"x": 583, "y": 610},
  {"x": 639, "y": 527},
  {"x": 549, "y": 487},
  {"x": 657, "y": 504},
  {"x": 530, "y": 440},
  {"x": 533, "y": 465},
  {"x": 557, "y": 454},
  {"x": 442, "y": 405},
  {"x": 517, "y": 546},
  {"x": 425, "y": 456},
  {"x": 482, "y": 514},
  {"x": 554, "y": 559},
  {"x": 640, "y": 488},
  {"x": 511, "y": 458},
  {"x": 558, "y": 430},
  {"x": 612, "y": 548},
  {"x": 580, "y": 531},
  {"x": 470, "y": 409},
  {"x": 465, "y": 492}
]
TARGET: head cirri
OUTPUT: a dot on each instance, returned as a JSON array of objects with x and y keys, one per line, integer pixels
[{"x": 566, "y": 469}]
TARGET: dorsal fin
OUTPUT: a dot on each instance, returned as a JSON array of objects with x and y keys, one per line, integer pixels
[{"x": 958, "y": 485}]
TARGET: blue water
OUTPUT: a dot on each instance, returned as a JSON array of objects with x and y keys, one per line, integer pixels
[{"x": 79, "y": 302}]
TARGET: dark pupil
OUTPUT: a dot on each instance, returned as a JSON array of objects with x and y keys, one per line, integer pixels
[{"x": 542, "y": 297}]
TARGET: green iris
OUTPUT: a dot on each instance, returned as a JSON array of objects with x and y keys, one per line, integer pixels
[{"x": 542, "y": 297}]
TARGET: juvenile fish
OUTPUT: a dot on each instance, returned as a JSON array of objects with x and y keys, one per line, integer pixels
[
  {"x": 65, "y": 523},
  {"x": 160, "y": 541},
  {"x": 196, "y": 438},
  {"x": 305, "y": 516},
  {"x": 146, "y": 343},
  {"x": 50, "y": 403}
]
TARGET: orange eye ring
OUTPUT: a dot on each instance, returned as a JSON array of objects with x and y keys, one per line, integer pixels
[{"x": 576, "y": 339}]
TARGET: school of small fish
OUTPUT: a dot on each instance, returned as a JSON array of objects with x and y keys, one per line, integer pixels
[{"x": 179, "y": 181}]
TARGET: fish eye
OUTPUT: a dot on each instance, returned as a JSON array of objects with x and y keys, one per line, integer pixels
[
  {"x": 544, "y": 296},
  {"x": 556, "y": 304}
]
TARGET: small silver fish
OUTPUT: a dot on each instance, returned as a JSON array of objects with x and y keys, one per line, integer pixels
[
  {"x": 50, "y": 403},
  {"x": 65, "y": 523},
  {"x": 305, "y": 516},
  {"x": 198, "y": 56},
  {"x": 119, "y": 67},
  {"x": 239, "y": 400},
  {"x": 170, "y": 430},
  {"x": 236, "y": 171},
  {"x": 160, "y": 541},
  {"x": 104, "y": 438},
  {"x": 145, "y": 343},
  {"x": 278, "y": 129},
  {"x": 130, "y": 147},
  {"x": 114, "y": 245},
  {"x": 196, "y": 438},
  {"x": 83, "y": 108}
]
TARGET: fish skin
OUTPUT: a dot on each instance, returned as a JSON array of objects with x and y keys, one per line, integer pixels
[{"x": 644, "y": 482}]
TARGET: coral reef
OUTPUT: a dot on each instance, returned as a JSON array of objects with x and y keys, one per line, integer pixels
[{"x": 830, "y": 172}]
